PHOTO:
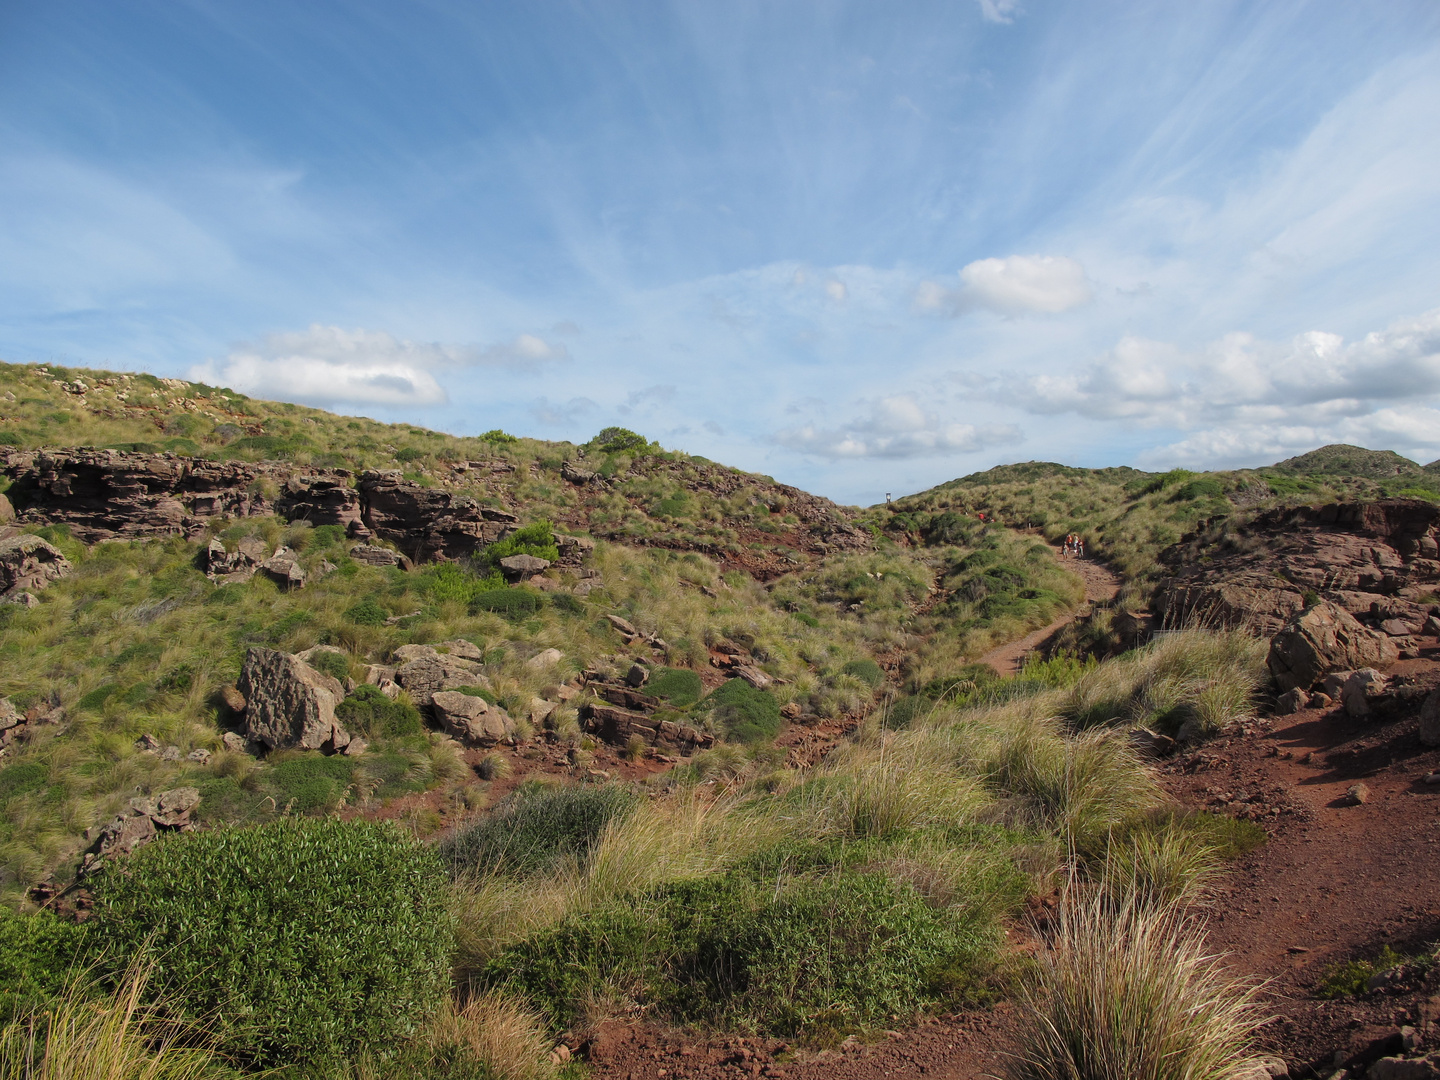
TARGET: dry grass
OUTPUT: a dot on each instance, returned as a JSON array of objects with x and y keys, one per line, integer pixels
[
  {"x": 509, "y": 1038},
  {"x": 115, "y": 1038},
  {"x": 1126, "y": 989}
]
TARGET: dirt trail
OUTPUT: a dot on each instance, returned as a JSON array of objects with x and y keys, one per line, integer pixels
[{"x": 1101, "y": 583}]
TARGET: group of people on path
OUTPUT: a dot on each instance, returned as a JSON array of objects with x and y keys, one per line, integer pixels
[{"x": 1074, "y": 546}]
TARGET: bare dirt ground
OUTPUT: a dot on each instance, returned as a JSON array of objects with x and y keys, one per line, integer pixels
[{"x": 1100, "y": 584}]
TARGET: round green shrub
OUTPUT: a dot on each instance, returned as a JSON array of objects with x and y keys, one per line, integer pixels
[
  {"x": 747, "y": 715},
  {"x": 296, "y": 941},
  {"x": 867, "y": 671},
  {"x": 367, "y": 613},
  {"x": 327, "y": 534},
  {"x": 679, "y": 686},
  {"x": 376, "y": 716},
  {"x": 334, "y": 664}
]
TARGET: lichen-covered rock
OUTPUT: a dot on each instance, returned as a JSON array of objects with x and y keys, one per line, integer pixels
[
  {"x": 424, "y": 676},
  {"x": 139, "y": 823},
  {"x": 284, "y": 569},
  {"x": 1326, "y": 638},
  {"x": 472, "y": 720},
  {"x": 28, "y": 562},
  {"x": 290, "y": 704}
]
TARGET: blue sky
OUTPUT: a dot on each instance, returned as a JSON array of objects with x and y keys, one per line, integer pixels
[{"x": 862, "y": 247}]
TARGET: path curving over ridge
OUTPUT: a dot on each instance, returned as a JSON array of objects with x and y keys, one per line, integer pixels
[{"x": 1101, "y": 583}]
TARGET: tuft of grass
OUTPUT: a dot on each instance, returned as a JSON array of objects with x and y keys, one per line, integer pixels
[{"x": 1125, "y": 988}]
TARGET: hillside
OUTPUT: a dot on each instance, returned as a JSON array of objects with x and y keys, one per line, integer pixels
[{"x": 513, "y": 752}]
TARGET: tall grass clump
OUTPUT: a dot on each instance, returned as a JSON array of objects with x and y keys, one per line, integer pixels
[
  {"x": 121, "y": 1036},
  {"x": 1125, "y": 988},
  {"x": 295, "y": 941}
]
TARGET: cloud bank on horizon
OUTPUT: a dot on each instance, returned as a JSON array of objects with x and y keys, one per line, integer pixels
[{"x": 860, "y": 248}]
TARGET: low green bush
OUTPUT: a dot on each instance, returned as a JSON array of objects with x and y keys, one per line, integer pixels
[
  {"x": 509, "y": 603},
  {"x": 867, "y": 671},
  {"x": 746, "y": 714},
  {"x": 39, "y": 955},
  {"x": 537, "y": 539},
  {"x": 679, "y": 686},
  {"x": 295, "y": 941},
  {"x": 322, "y": 535},
  {"x": 22, "y": 779},
  {"x": 841, "y": 949},
  {"x": 336, "y": 665},
  {"x": 369, "y": 712},
  {"x": 311, "y": 781},
  {"x": 367, "y": 613},
  {"x": 535, "y": 826}
]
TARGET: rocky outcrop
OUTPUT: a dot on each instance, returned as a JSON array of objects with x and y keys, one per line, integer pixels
[
  {"x": 470, "y": 719},
  {"x": 1324, "y": 639},
  {"x": 28, "y": 562},
  {"x": 374, "y": 555},
  {"x": 138, "y": 824},
  {"x": 290, "y": 704},
  {"x": 422, "y": 676},
  {"x": 428, "y": 522},
  {"x": 1378, "y": 561}
]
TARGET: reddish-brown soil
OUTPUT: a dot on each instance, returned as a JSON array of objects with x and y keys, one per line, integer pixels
[{"x": 1334, "y": 882}]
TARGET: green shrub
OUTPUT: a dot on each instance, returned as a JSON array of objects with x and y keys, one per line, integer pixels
[
  {"x": 746, "y": 714},
  {"x": 368, "y": 711},
  {"x": 336, "y": 665},
  {"x": 844, "y": 950},
  {"x": 38, "y": 956},
  {"x": 618, "y": 440},
  {"x": 311, "y": 781},
  {"x": 295, "y": 941},
  {"x": 367, "y": 613},
  {"x": 450, "y": 581},
  {"x": 679, "y": 686},
  {"x": 867, "y": 671},
  {"x": 808, "y": 620},
  {"x": 567, "y": 603},
  {"x": 497, "y": 437},
  {"x": 1348, "y": 978},
  {"x": 1206, "y": 487},
  {"x": 513, "y": 604},
  {"x": 327, "y": 534},
  {"x": 536, "y": 825}
]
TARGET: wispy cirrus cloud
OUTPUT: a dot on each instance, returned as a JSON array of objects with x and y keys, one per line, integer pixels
[{"x": 329, "y": 365}]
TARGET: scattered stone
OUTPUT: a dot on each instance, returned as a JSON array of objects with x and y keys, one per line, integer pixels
[
  {"x": 1292, "y": 701},
  {"x": 1431, "y": 627},
  {"x": 752, "y": 675},
  {"x": 1150, "y": 743},
  {"x": 575, "y": 474},
  {"x": 374, "y": 555},
  {"x": 790, "y": 710},
  {"x": 1431, "y": 778},
  {"x": 1360, "y": 691},
  {"x": 471, "y": 720},
  {"x": 541, "y": 710},
  {"x": 28, "y": 562},
  {"x": 284, "y": 569},
  {"x": 232, "y": 699},
  {"x": 170, "y": 753},
  {"x": 1398, "y": 1068},
  {"x": 1323, "y": 639},
  {"x": 234, "y": 566},
  {"x": 1430, "y": 719},
  {"x": 1397, "y": 628},
  {"x": 544, "y": 659},
  {"x": 621, "y": 625},
  {"x": 138, "y": 824},
  {"x": 637, "y": 676},
  {"x": 148, "y": 744},
  {"x": 522, "y": 566},
  {"x": 1357, "y": 794},
  {"x": 355, "y": 747},
  {"x": 289, "y": 703},
  {"x": 23, "y": 598},
  {"x": 234, "y": 742},
  {"x": 1321, "y": 700},
  {"x": 199, "y": 755}
]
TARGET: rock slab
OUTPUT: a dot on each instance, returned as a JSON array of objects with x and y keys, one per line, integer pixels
[{"x": 290, "y": 704}]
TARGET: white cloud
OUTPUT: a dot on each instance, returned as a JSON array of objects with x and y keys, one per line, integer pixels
[
  {"x": 836, "y": 291},
  {"x": 999, "y": 11},
  {"x": 1249, "y": 401},
  {"x": 560, "y": 413},
  {"x": 896, "y": 427},
  {"x": 1015, "y": 285},
  {"x": 328, "y": 365}
]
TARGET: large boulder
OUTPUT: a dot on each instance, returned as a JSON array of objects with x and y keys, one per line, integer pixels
[
  {"x": 284, "y": 569},
  {"x": 1323, "y": 639},
  {"x": 424, "y": 676},
  {"x": 290, "y": 704},
  {"x": 516, "y": 567},
  {"x": 28, "y": 562},
  {"x": 472, "y": 720}
]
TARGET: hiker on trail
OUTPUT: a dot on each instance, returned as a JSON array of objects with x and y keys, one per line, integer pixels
[
  {"x": 1069, "y": 544},
  {"x": 1079, "y": 548}
]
